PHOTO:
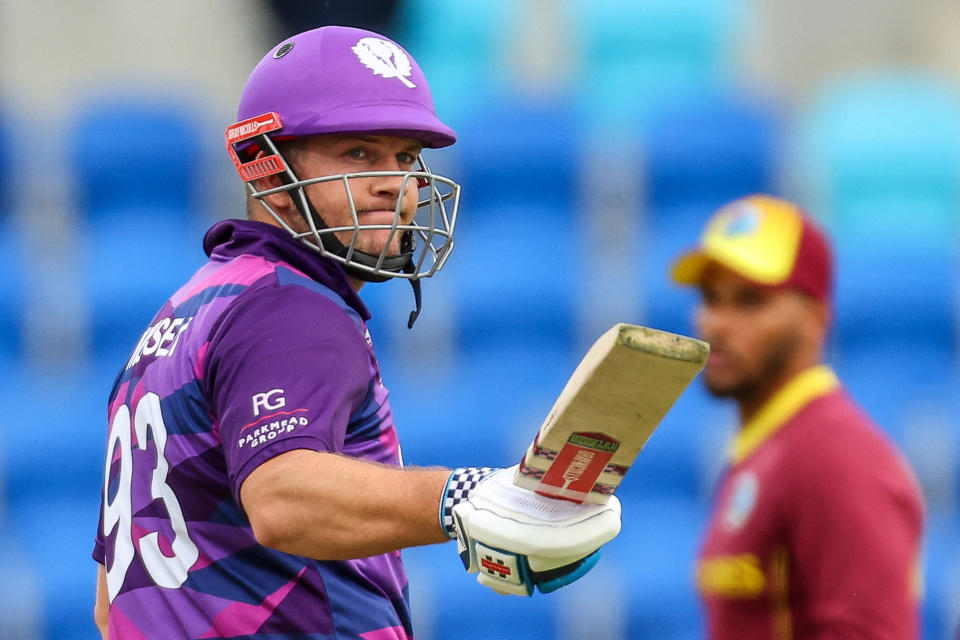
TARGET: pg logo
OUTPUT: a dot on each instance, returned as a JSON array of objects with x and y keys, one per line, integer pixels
[{"x": 269, "y": 400}]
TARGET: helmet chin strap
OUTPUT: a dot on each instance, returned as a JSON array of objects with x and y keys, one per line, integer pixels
[
  {"x": 395, "y": 264},
  {"x": 417, "y": 298}
]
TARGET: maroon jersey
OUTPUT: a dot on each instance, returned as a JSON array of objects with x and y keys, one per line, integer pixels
[{"x": 816, "y": 529}]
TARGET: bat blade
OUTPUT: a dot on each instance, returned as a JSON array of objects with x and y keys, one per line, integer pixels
[{"x": 608, "y": 409}]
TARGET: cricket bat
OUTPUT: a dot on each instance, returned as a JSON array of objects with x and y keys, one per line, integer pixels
[{"x": 608, "y": 409}]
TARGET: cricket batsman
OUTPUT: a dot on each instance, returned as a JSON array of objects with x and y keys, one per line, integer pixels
[{"x": 253, "y": 484}]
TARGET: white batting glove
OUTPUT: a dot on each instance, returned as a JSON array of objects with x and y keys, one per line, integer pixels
[{"x": 517, "y": 540}]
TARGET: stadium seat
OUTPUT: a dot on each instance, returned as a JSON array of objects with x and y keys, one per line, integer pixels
[
  {"x": 515, "y": 277},
  {"x": 459, "y": 47},
  {"x": 516, "y": 150},
  {"x": 710, "y": 148},
  {"x": 137, "y": 169},
  {"x": 57, "y": 535},
  {"x": 61, "y": 414},
  {"x": 20, "y": 603},
  {"x": 667, "y": 234},
  {"x": 699, "y": 153},
  {"x": 635, "y": 55},
  {"x": 483, "y": 410},
  {"x": 15, "y": 284},
  {"x": 655, "y": 555},
  {"x": 135, "y": 150},
  {"x": 14, "y": 288},
  {"x": 941, "y": 564},
  {"x": 903, "y": 293},
  {"x": 879, "y": 154},
  {"x": 684, "y": 455},
  {"x": 890, "y": 378},
  {"x": 448, "y": 604},
  {"x": 133, "y": 259},
  {"x": 6, "y": 162}
]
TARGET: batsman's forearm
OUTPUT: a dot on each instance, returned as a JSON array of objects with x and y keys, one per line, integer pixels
[{"x": 332, "y": 507}]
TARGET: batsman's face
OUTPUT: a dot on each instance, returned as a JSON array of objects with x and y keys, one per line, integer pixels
[
  {"x": 754, "y": 332},
  {"x": 375, "y": 198}
]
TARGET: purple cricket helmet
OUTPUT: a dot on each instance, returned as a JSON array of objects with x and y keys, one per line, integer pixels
[{"x": 344, "y": 80}]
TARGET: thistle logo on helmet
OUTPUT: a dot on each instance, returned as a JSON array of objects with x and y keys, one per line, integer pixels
[{"x": 385, "y": 59}]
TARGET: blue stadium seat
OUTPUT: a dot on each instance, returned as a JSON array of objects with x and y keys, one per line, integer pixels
[
  {"x": 459, "y": 46},
  {"x": 15, "y": 282},
  {"x": 879, "y": 152},
  {"x": 6, "y": 161},
  {"x": 448, "y": 604},
  {"x": 880, "y": 155},
  {"x": 941, "y": 566},
  {"x": 515, "y": 277},
  {"x": 61, "y": 415},
  {"x": 21, "y": 608},
  {"x": 892, "y": 377},
  {"x": 668, "y": 233},
  {"x": 516, "y": 150},
  {"x": 656, "y": 553},
  {"x": 684, "y": 455},
  {"x": 901, "y": 293},
  {"x": 135, "y": 150},
  {"x": 14, "y": 287},
  {"x": 137, "y": 167},
  {"x": 710, "y": 148},
  {"x": 638, "y": 54},
  {"x": 133, "y": 259},
  {"x": 57, "y": 535},
  {"x": 699, "y": 153},
  {"x": 483, "y": 411}
]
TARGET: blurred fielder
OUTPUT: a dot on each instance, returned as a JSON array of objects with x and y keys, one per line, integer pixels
[
  {"x": 253, "y": 480},
  {"x": 816, "y": 528}
]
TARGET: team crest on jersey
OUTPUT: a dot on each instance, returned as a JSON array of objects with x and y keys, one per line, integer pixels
[
  {"x": 743, "y": 497},
  {"x": 385, "y": 59}
]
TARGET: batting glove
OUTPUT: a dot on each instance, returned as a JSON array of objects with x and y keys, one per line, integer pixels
[{"x": 517, "y": 540}]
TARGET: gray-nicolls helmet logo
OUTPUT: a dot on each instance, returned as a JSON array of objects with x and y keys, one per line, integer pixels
[{"x": 323, "y": 90}]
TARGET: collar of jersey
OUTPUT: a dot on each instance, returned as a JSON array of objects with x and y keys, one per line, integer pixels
[
  {"x": 236, "y": 237},
  {"x": 785, "y": 403}
]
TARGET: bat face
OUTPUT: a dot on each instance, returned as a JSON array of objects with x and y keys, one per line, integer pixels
[{"x": 610, "y": 406}]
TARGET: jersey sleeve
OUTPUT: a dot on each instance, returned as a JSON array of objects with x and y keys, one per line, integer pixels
[
  {"x": 854, "y": 524},
  {"x": 284, "y": 369}
]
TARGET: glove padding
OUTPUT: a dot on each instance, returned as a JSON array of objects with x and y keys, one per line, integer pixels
[{"x": 517, "y": 540}]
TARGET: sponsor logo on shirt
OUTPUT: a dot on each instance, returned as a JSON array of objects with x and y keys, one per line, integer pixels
[
  {"x": 269, "y": 400},
  {"x": 269, "y": 428},
  {"x": 731, "y": 576}
]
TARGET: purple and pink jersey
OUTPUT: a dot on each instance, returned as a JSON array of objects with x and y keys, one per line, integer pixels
[{"x": 263, "y": 351}]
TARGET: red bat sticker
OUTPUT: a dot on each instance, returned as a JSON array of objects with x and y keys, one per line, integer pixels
[{"x": 578, "y": 466}]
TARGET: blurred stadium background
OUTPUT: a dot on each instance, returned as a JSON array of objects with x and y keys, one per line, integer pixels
[{"x": 596, "y": 137}]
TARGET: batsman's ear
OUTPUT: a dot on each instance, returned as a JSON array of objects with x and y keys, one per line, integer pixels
[{"x": 281, "y": 202}]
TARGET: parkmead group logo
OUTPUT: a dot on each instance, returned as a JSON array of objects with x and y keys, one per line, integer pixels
[{"x": 385, "y": 59}]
